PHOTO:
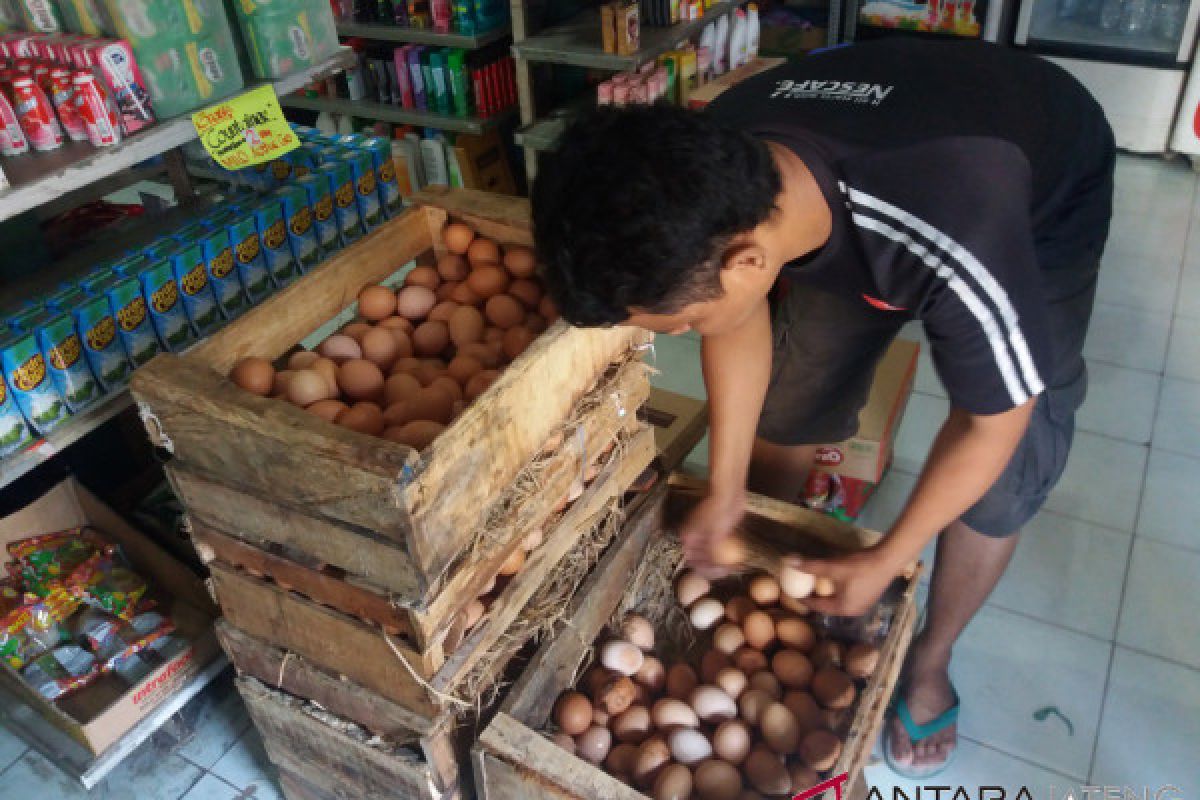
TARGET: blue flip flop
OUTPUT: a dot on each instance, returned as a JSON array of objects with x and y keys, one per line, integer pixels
[{"x": 917, "y": 733}]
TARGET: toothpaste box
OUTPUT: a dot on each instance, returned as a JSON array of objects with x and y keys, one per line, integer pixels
[
  {"x": 298, "y": 217},
  {"x": 14, "y": 430},
  {"x": 55, "y": 334},
  {"x": 101, "y": 347},
  {"x": 127, "y": 304},
  {"x": 32, "y": 388},
  {"x": 248, "y": 256},
  {"x": 268, "y": 219},
  {"x": 161, "y": 290},
  {"x": 199, "y": 302},
  {"x": 345, "y": 208},
  {"x": 320, "y": 200},
  {"x": 362, "y": 170},
  {"x": 219, "y": 262}
]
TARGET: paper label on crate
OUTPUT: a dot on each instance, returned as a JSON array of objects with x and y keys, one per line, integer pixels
[{"x": 245, "y": 130}]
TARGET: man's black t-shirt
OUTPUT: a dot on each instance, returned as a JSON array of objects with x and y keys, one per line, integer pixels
[{"x": 969, "y": 185}]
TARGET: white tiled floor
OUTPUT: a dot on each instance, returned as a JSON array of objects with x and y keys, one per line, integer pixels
[{"x": 1085, "y": 664}]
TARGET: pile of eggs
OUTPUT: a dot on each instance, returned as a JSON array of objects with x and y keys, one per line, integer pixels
[
  {"x": 417, "y": 356},
  {"x": 757, "y": 716}
]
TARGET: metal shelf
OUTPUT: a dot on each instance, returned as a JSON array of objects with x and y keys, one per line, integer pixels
[
  {"x": 397, "y": 33},
  {"x": 38, "y": 178},
  {"x": 385, "y": 112},
  {"x": 578, "y": 42}
]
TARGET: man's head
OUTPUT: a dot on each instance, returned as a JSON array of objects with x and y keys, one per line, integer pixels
[{"x": 648, "y": 216}]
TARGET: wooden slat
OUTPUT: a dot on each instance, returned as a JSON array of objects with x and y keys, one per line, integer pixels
[
  {"x": 679, "y": 424},
  {"x": 363, "y": 553},
  {"x": 497, "y": 216},
  {"x": 329, "y": 638},
  {"x": 503, "y": 781}
]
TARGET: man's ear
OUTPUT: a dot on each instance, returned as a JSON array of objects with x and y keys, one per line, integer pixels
[{"x": 745, "y": 256}]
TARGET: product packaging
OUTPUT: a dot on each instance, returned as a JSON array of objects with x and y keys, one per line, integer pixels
[
  {"x": 15, "y": 433},
  {"x": 219, "y": 264},
  {"x": 277, "y": 252},
  {"x": 32, "y": 389},
  {"x": 114, "y": 64},
  {"x": 320, "y": 199},
  {"x": 628, "y": 29},
  {"x": 41, "y": 16},
  {"x": 134, "y": 327},
  {"x": 345, "y": 204},
  {"x": 362, "y": 171},
  {"x": 285, "y": 37},
  {"x": 298, "y": 218},
  {"x": 199, "y": 302},
  {"x": 85, "y": 16},
  {"x": 96, "y": 109},
  {"x": 161, "y": 290},
  {"x": 105, "y": 355},
  {"x": 59, "y": 342},
  {"x": 248, "y": 255}
]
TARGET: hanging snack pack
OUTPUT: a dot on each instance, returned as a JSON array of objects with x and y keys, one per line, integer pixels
[
  {"x": 84, "y": 16},
  {"x": 285, "y": 36}
]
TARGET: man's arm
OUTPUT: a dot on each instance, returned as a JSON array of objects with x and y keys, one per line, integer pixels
[
  {"x": 967, "y": 457},
  {"x": 737, "y": 369}
]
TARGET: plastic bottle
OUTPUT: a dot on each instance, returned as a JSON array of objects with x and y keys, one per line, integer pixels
[
  {"x": 460, "y": 84},
  {"x": 345, "y": 124},
  {"x": 326, "y": 124},
  {"x": 752, "y": 32},
  {"x": 433, "y": 159},
  {"x": 453, "y": 170},
  {"x": 737, "y": 40},
  {"x": 721, "y": 46},
  {"x": 708, "y": 37}
]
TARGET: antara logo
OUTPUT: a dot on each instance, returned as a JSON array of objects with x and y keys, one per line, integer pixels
[{"x": 845, "y": 91}]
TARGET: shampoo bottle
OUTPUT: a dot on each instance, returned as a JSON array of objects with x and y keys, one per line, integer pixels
[
  {"x": 752, "y": 32},
  {"x": 721, "y": 46},
  {"x": 737, "y": 40},
  {"x": 433, "y": 159}
]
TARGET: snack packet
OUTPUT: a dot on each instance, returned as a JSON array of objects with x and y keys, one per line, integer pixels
[
  {"x": 113, "y": 640},
  {"x": 28, "y": 631},
  {"x": 103, "y": 583},
  {"x": 63, "y": 669},
  {"x": 48, "y": 559}
]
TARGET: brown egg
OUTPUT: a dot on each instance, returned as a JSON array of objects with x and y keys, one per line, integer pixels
[
  {"x": 396, "y": 323},
  {"x": 453, "y": 267},
  {"x": 362, "y": 417},
  {"x": 527, "y": 291},
  {"x": 833, "y": 688},
  {"x": 764, "y": 590},
  {"x": 494, "y": 335},
  {"x": 443, "y": 311},
  {"x": 593, "y": 744},
  {"x": 327, "y": 409},
  {"x": 516, "y": 340},
  {"x": 731, "y": 741},
  {"x": 376, "y": 303},
  {"x": 652, "y": 675},
  {"x": 462, "y": 368},
  {"x": 766, "y": 681},
  {"x": 728, "y": 638},
  {"x": 673, "y": 783},
  {"x": 804, "y": 708},
  {"x": 279, "y": 386},
  {"x": 795, "y": 633},
  {"x": 302, "y": 359},
  {"x": 307, "y": 387},
  {"x": 617, "y": 695},
  {"x": 428, "y": 370},
  {"x": 430, "y": 338},
  {"x": 360, "y": 379},
  {"x": 417, "y": 434},
  {"x": 712, "y": 663},
  {"x": 255, "y": 375},
  {"x": 519, "y": 260},
  {"x": 355, "y": 330},
  {"x": 599, "y": 715},
  {"x": 445, "y": 291},
  {"x": 861, "y": 660},
  {"x": 803, "y": 777},
  {"x": 534, "y": 322},
  {"x": 503, "y": 311},
  {"x": 766, "y": 772},
  {"x": 793, "y": 605},
  {"x": 327, "y": 368},
  {"x": 681, "y": 680},
  {"x": 481, "y": 352},
  {"x": 780, "y": 730},
  {"x": 483, "y": 251},
  {"x": 487, "y": 281},
  {"x": 428, "y": 403},
  {"x": 632, "y": 725},
  {"x": 465, "y": 295},
  {"x": 793, "y": 668},
  {"x": 751, "y": 705},
  {"x": 423, "y": 276},
  {"x": 732, "y": 681},
  {"x": 479, "y": 383},
  {"x": 415, "y": 302},
  {"x": 654, "y": 757},
  {"x": 399, "y": 387},
  {"x": 465, "y": 325},
  {"x": 457, "y": 238},
  {"x": 827, "y": 653},
  {"x": 759, "y": 629},
  {"x": 449, "y": 387},
  {"x": 717, "y": 780},
  {"x": 621, "y": 760},
  {"x": 820, "y": 749},
  {"x": 339, "y": 348},
  {"x": 380, "y": 348},
  {"x": 548, "y": 310},
  {"x": 749, "y": 660}
]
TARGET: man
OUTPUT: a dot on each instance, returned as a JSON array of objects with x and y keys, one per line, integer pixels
[{"x": 796, "y": 226}]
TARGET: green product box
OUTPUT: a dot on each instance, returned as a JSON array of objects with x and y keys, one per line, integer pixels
[
  {"x": 305, "y": 159},
  {"x": 345, "y": 205},
  {"x": 248, "y": 257},
  {"x": 298, "y": 217},
  {"x": 362, "y": 171},
  {"x": 59, "y": 342},
  {"x": 32, "y": 388},
  {"x": 220, "y": 263},
  {"x": 102, "y": 348},
  {"x": 199, "y": 302},
  {"x": 185, "y": 75},
  {"x": 161, "y": 290},
  {"x": 128, "y": 306},
  {"x": 277, "y": 253},
  {"x": 280, "y": 43},
  {"x": 320, "y": 200},
  {"x": 159, "y": 22},
  {"x": 91, "y": 283},
  {"x": 14, "y": 430},
  {"x": 85, "y": 16},
  {"x": 40, "y": 16},
  {"x": 380, "y": 148}
]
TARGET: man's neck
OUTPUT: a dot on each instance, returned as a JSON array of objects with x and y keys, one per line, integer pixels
[{"x": 803, "y": 221}]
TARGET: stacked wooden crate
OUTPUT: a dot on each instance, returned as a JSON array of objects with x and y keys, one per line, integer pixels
[{"x": 344, "y": 564}]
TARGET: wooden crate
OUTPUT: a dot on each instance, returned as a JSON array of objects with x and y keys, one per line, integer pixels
[
  {"x": 428, "y": 503},
  {"x": 515, "y": 760}
]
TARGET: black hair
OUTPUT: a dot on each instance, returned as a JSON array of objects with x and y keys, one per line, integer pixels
[{"x": 636, "y": 206}]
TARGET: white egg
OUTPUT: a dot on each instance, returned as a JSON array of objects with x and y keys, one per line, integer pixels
[
  {"x": 689, "y": 746},
  {"x": 621, "y": 656},
  {"x": 706, "y": 613},
  {"x": 712, "y": 704}
]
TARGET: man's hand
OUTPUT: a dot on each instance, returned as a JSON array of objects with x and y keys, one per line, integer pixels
[
  {"x": 713, "y": 519},
  {"x": 859, "y": 580}
]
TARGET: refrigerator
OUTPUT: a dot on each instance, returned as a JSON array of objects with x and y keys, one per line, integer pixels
[
  {"x": 1133, "y": 55},
  {"x": 970, "y": 19}
]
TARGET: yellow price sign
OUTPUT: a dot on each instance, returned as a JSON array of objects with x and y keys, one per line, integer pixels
[{"x": 245, "y": 130}]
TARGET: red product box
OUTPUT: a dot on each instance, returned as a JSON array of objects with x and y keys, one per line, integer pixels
[
  {"x": 112, "y": 62},
  {"x": 22, "y": 45}
]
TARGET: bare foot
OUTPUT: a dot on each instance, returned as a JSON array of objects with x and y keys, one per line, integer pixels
[{"x": 928, "y": 694}]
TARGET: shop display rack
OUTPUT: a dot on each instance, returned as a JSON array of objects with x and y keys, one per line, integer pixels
[
  {"x": 385, "y": 112},
  {"x": 397, "y": 33}
]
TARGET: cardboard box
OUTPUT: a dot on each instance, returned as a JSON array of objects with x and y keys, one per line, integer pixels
[
  {"x": 865, "y": 455},
  {"x": 484, "y": 164},
  {"x": 709, "y": 91},
  {"x": 97, "y": 716}
]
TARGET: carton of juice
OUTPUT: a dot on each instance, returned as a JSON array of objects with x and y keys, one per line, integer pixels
[
  {"x": 127, "y": 304},
  {"x": 32, "y": 388},
  {"x": 281, "y": 168},
  {"x": 220, "y": 264},
  {"x": 380, "y": 149},
  {"x": 161, "y": 290},
  {"x": 160, "y": 248},
  {"x": 101, "y": 347},
  {"x": 320, "y": 200},
  {"x": 14, "y": 430},
  {"x": 199, "y": 302},
  {"x": 298, "y": 217},
  {"x": 115, "y": 66},
  {"x": 268, "y": 219},
  {"x": 345, "y": 206},
  {"x": 58, "y": 340},
  {"x": 363, "y": 172},
  {"x": 248, "y": 256}
]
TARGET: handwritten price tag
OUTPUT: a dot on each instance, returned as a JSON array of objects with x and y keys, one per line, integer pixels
[{"x": 245, "y": 130}]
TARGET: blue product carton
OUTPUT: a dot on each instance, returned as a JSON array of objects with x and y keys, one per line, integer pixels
[
  {"x": 161, "y": 290},
  {"x": 199, "y": 302},
  {"x": 386, "y": 184},
  {"x": 248, "y": 256},
  {"x": 345, "y": 206},
  {"x": 134, "y": 328},
  {"x": 102, "y": 348},
  {"x": 15, "y": 434},
  {"x": 32, "y": 389},
  {"x": 222, "y": 273},
  {"x": 268, "y": 219},
  {"x": 55, "y": 334},
  {"x": 298, "y": 218},
  {"x": 362, "y": 170},
  {"x": 320, "y": 200}
]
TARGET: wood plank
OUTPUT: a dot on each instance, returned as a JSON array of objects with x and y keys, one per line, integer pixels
[
  {"x": 330, "y": 639},
  {"x": 498, "y": 216},
  {"x": 679, "y": 421},
  {"x": 271, "y": 329},
  {"x": 297, "y": 675},
  {"x": 327, "y": 758},
  {"x": 361, "y": 552},
  {"x": 316, "y": 586},
  {"x": 577, "y": 521},
  {"x": 499, "y": 780}
]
